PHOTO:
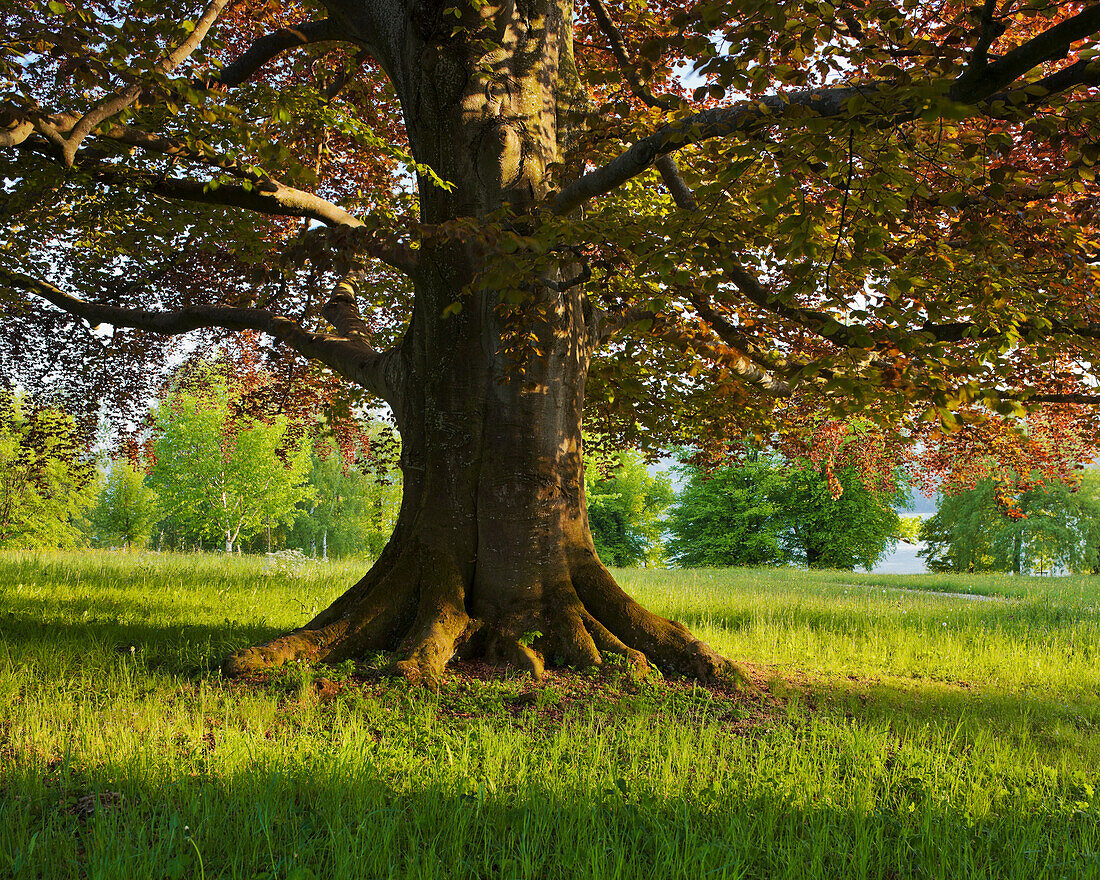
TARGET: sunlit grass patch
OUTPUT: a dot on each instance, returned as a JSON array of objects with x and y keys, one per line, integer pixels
[
  {"x": 899, "y": 735},
  {"x": 1042, "y": 635}
]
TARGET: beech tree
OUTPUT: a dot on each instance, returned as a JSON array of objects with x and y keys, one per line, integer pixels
[{"x": 481, "y": 211}]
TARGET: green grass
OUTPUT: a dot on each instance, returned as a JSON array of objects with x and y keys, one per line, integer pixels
[{"x": 900, "y": 735}]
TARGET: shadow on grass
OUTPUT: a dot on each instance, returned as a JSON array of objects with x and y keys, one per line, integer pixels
[
  {"x": 50, "y": 633},
  {"x": 185, "y": 649},
  {"x": 347, "y": 818}
]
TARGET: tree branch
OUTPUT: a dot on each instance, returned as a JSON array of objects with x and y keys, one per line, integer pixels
[
  {"x": 960, "y": 331},
  {"x": 285, "y": 201},
  {"x": 271, "y": 198},
  {"x": 629, "y": 70},
  {"x": 610, "y": 323},
  {"x": 68, "y": 130},
  {"x": 728, "y": 355},
  {"x": 265, "y": 196},
  {"x": 745, "y": 281},
  {"x": 818, "y": 322},
  {"x": 15, "y": 132},
  {"x": 1079, "y": 398},
  {"x": 681, "y": 193},
  {"x": 342, "y": 312},
  {"x": 731, "y": 335},
  {"x": 350, "y": 358},
  {"x": 114, "y": 104},
  {"x": 992, "y": 30},
  {"x": 132, "y": 136},
  {"x": 344, "y": 76},
  {"x": 274, "y": 44},
  {"x": 977, "y": 87},
  {"x": 705, "y": 125},
  {"x": 1080, "y": 73},
  {"x": 735, "y": 352},
  {"x": 979, "y": 81}
]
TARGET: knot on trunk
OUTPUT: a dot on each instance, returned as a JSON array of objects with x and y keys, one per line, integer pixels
[{"x": 501, "y": 158}]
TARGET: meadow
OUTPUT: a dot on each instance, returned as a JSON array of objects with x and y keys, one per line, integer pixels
[{"x": 893, "y": 729}]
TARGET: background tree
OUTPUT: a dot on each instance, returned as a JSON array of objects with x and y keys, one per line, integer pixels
[
  {"x": 766, "y": 511},
  {"x": 960, "y": 535},
  {"x": 858, "y": 527},
  {"x": 125, "y": 508},
  {"x": 46, "y": 475},
  {"x": 352, "y": 507},
  {"x": 730, "y": 516},
  {"x": 1051, "y": 524},
  {"x": 910, "y": 529},
  {"x": 625, "y": 508},
  {"x": 222, "y": 477},
  {"x": 871, "y": 209}
]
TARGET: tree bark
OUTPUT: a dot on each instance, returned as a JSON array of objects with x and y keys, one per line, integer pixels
[{"x": 491, "y": 554}]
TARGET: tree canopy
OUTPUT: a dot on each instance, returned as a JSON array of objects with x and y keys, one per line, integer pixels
[
  {"x": 46, "y": 475},
  {"x": 708, "y": 220},
  {"x": 626, "y": 504},
  {"x": 1049, "y": 525},
  {"x": 767, "y": 511},
  {"x": 880, "y": 206}
]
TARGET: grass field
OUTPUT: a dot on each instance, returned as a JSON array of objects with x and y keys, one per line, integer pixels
[{"x": 895, "y": 734}]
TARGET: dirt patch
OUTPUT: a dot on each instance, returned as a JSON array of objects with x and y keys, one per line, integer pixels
[
  {"x": 477, "y": 689},
  {"x": 97, "y": 802}
]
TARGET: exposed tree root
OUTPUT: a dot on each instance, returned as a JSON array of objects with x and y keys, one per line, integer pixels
[
  {"x": 668, "y": 645},
  {"x": 516, "y": 653},
  {"x": 608, "y": 643},
  {"x": 441, "y": 625},
  {"x": 418, "y": 609},
  {"x": 301, "y": 644},
  {"x": 568, "y": 642}
]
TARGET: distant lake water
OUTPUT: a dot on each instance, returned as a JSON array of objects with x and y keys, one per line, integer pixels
[{"x": 903, "y": 560}]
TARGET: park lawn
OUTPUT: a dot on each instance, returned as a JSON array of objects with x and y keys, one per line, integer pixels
[{"x": 890, "y": 734}]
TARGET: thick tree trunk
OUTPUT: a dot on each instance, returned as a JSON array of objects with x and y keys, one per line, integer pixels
[{"x": 492, "y": 553}]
